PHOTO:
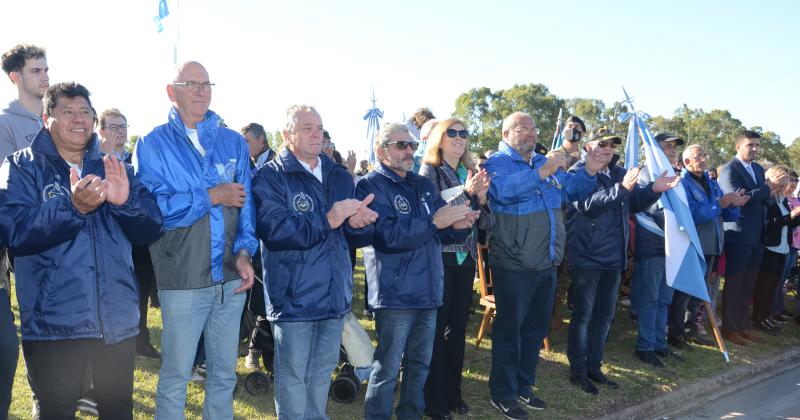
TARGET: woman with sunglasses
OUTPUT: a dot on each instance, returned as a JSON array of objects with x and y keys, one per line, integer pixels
[{"x": 448, "y": 164}]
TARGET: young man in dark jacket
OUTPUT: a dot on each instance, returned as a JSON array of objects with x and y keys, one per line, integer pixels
[
  {"x": 404, "y": 271},
  {"x": 306, "y": 218},
  {"x": 75, "y": 214},
  {"x": 597, "y": 241}
]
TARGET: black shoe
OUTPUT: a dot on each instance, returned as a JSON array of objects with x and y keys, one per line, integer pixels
[
  {"x": 778, "y": 319},
  {"x": 694, "y": 337},
  {"x": 147, "y": 350},
  {"x": 533, "y": 402},
  {"x": 649, "y": 357},
  {"x": 677, "y": 341},
  {"x": 445, "y": 416},
  {"x": 601, "y": 379},
  {"x": 510, "y": 409},
  {"x": 667, "y": 352},
  {"x": 461, "y": 409},
  {"x": 584, "y": 384}
]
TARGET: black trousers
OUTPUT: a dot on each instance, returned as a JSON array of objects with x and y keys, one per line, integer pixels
[
  {"x": 741, "y": 269},
  {"x": 769, "y": 276},
  {"x": 58, "y": 369},
  {"x": 443, "y": 387},
  {"x": 146, "y": 278}
]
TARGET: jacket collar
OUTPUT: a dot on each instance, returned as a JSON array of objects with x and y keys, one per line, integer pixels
[
  {"x": 43, "y": 143},
  {"x": 211, "y": 121},
  {"x": 391, "y": 174},
  {"x": 505, "y": 149},
  {"x": 290, "y": 163}
]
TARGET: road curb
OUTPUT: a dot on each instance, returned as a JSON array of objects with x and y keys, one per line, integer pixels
[{"x": 686, "y": 398}]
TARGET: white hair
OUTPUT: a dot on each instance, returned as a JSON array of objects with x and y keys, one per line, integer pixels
[
  {"x": 291, "y": 114},
  {"x": 687, "y": 152}
]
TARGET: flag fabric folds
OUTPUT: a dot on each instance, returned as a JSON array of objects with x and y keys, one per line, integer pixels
[
  {"x": 163, "y": 12},
  {"x": 558, "y": 137},
  {"x": 373, "y": 117},
  {"x": 685, "y": 264}
]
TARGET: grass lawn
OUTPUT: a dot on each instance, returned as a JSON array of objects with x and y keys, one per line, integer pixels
[{"x": 638, "y": 381}]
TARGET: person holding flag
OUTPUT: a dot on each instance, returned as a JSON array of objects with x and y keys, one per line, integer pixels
[{"x": 568, "y": 139}]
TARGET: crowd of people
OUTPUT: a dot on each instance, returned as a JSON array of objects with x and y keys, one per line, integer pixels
[{"x": 201, "y": 213}]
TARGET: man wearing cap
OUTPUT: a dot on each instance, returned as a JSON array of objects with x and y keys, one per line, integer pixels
[
  {"x": 744, "y": 244},
  {"x": 597, "y": 237},
  {"x": 650, "y": 294},
  {"x": 574, "y": 130}
]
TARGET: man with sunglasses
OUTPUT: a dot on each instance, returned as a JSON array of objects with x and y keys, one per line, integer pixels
[
  {"x": 404, "y": 270},
  {"x": 199, "y": 171},
  {"x": 597, "y": 239},
  {"x": 525, "y": 249}
]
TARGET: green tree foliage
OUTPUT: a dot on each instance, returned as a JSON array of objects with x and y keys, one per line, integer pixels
[{"x": 794, "y": 153}]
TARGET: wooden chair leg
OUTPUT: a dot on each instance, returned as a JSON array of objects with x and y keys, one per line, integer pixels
[{"x": 487, "y": 315}]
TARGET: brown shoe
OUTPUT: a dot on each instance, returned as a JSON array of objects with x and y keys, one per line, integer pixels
[
  {"x": 734, "y": 337},
  {"x": 747, "y": 334}
]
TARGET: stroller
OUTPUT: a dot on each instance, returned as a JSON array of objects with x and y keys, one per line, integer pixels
[
  {"x": 355, "y": 356},
  {"x": 255, "y": 326}
]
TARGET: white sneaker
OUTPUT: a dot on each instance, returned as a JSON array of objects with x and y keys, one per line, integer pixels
[
  {"x": 88, "y": 406},
  {"x": 253, "y": 359}
]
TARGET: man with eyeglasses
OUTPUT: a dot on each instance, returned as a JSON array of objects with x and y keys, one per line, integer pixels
[
  {"x": 113, "y": 134},
  {"x": 597, "y": 243},
  {"x": 306, "y": 219},
  {"x": 199, "y": 171},
  {"x": 710, "y": 208},
  {"x": 525, "y": 249},
  {"x": 404, "y": 271}
]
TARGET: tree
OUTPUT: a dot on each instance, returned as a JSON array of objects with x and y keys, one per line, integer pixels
[{"x": 793, "y": 151}]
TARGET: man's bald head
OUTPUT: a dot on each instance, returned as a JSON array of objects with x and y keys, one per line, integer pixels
[{"x": 190, "y": 92}]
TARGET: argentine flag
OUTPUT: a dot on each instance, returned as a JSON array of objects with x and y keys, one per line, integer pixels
[{"x": 684, "y": 260}]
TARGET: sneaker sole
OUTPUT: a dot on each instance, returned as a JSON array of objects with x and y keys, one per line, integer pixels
[
  {"x": 501, "y": 410},
  {"x": 528, "y": 406}
]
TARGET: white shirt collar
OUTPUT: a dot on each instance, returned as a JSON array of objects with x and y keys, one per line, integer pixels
[{"x": 317, "y": 171}]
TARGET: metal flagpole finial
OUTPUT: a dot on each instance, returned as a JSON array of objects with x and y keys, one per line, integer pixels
[{"x": 628, "y": 100}]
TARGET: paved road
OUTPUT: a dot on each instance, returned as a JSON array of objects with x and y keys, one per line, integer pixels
[{"x": 775, "y": 398}]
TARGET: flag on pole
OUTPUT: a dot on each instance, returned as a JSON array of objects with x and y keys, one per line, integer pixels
[
  {"x": 558, "y": 136},
  {"x": 685, "y": 264},
  {"x": 163, "y": 12},
  {"x": 372, "y": 117}
]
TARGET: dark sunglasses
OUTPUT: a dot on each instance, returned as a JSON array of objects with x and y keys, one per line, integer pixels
[
  {"x": 403, "y": 145},
  {"x": 452, "y": 133},
  {"x": 605, "y": 143}
]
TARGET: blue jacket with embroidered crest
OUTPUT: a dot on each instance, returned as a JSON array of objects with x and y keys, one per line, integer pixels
[
  {"x": 74, "y": 273},
  {"x": 404, "y": 264},
  {"x": 179, "y": 176},
  {"x": 307, "y": 273}
]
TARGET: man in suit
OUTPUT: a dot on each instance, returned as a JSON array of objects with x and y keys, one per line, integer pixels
[{"x": 744, "y": 245}]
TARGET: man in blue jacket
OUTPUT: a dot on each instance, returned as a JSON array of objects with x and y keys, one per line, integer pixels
[
  {"x": 744, "y": 238},
  {"x": 597, "y": 243},
  {"x": 525, "y": 249},
  {"x": 709, "y": 207},
  {"x": 199, "y": 171},
  {"x": 73, "y": 215},
  {"x": 306, "y": 218},
  {"x": 404, "y": 271}
]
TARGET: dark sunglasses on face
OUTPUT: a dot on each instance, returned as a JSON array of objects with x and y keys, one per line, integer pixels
[
  {"x": 403, "y": 145},
  {"x": 605, "y": 143},
  {"x": 452, "y": 133}
]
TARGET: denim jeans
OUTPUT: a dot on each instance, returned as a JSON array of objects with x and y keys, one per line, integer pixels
[
  {"x": 306, "y": 353},
  {"x": 9, "y": 352},
  {"x": 524, "y": 302},
  {"x": 653, "y": 298},
  {"x": 215, "y": 312},
  {"x": 405, "y": 334},
  {"x": 594, "y": 298}
]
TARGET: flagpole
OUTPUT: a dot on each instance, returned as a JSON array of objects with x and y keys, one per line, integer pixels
[{"x": 711, "y": 315}]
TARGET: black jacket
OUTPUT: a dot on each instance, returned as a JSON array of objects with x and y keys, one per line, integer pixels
[{"x": 776, "y": 221}]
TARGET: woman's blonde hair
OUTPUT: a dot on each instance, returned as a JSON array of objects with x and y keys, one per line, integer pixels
[{"x": 433, "y": 151}]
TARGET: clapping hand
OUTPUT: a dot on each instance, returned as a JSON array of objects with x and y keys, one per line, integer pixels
[
  {"x": 478, "y": 184},
  {"x": 665, "y": 183},
  {"x": 364, "y": 216},
  {"x": 116, "y": 185}
]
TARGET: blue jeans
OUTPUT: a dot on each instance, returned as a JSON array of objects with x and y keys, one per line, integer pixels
[
  {"x": 594, "y": 298},
  {"x": 9, "y": 352},
  {"x": 215, "y": 312},
  {"x": 306, "y": 353},
  {"x": 653, "y": 298},
  {"x": 524, "y": 302},
  {"x": 405, "y": 334}
]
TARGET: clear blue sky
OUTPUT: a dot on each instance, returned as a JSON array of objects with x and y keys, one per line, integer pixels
[{"x": 267, "y": 55}]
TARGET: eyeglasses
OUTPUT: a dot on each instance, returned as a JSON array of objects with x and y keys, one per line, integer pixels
[
  {"x": 525, "y": 130},
  {"x": 605, "y": 143},
  {"x": 452, "y": 133},
  {"x": 195, "y": 86},
  {"x": 403, "y": 145},
  {"x": 116, "y": 127},
  {"x": 700, "y": 157}
]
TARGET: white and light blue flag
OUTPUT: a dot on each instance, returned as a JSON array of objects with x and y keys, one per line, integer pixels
[{"x": 685, "y": 265}]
